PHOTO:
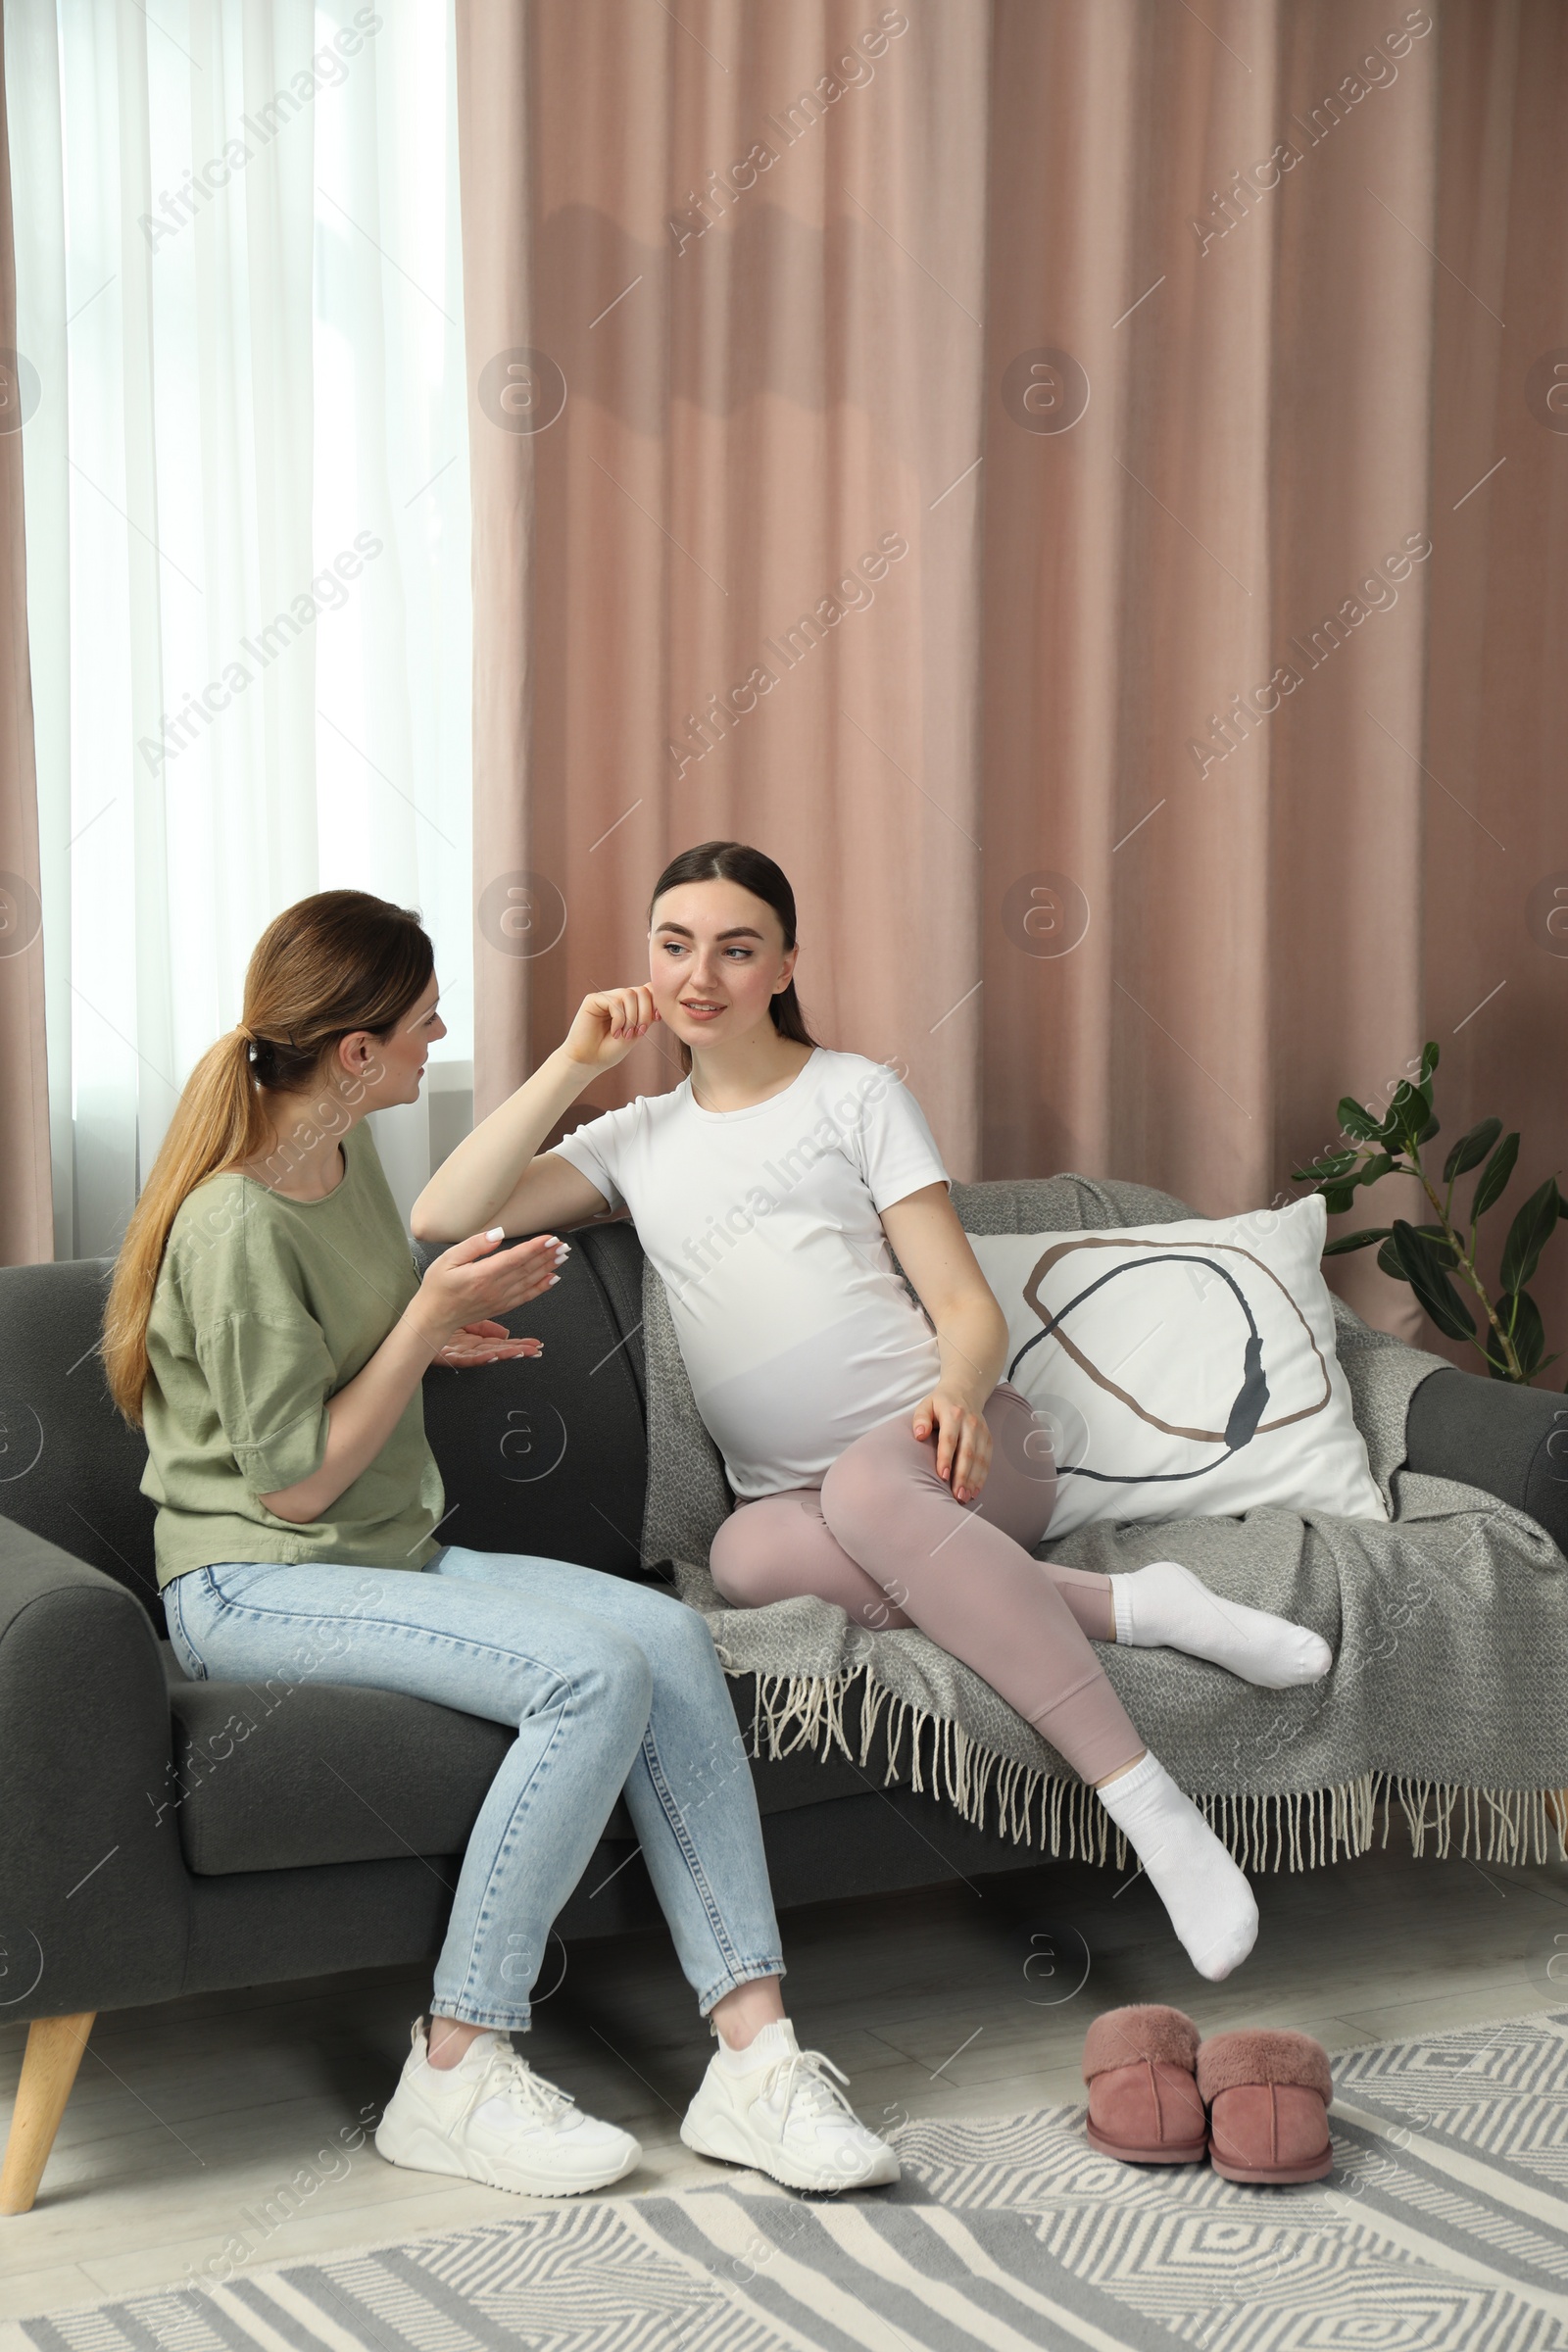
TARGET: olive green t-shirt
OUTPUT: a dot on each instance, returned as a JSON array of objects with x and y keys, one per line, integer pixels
[{"x": 264, "y": 1307}]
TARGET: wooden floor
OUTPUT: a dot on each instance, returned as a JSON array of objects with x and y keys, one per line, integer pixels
[{"x": 189, "y": 2121}]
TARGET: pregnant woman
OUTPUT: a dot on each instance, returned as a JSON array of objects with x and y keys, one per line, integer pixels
[
  {"x": 874, "y": 1456},
  {"x": 268, "y": 1329}
]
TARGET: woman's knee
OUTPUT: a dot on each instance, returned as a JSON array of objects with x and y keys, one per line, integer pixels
[
  {"x": 744, "y": 1556},
  {"x": 676, "y": 1642},
  {"x": 736, "y": 1566},
  {"x": 617, "y": 1674}
]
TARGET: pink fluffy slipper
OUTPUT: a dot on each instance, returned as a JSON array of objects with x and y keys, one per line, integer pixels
[
  {"x": 1144, "y": 2104},
  {"x": 1267, "y": 2094}
]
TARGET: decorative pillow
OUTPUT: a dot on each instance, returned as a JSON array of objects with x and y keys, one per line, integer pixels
[{"x": 1183, "y": 1370}]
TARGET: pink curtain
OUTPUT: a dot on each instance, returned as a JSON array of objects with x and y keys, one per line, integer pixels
[
  {"x": 27, "y": 1223},
  {"x": 1082, "y": 486}
]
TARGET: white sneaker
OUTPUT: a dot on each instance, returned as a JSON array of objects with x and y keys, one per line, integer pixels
[
  {"x": 783, "y": 2117},
  {"x": 491, "y": 2118}
]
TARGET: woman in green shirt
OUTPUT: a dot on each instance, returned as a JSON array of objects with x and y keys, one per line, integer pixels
[{"x": 268, "y": 1329}]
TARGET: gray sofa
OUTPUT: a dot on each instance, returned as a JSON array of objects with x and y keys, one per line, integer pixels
[{"x": 162, "y": 1837}]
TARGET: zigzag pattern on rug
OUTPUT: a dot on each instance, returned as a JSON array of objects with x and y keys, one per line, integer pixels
[
  {"x": 1443, "y": 2227},
  {"x": 1291, "y": 1830}
]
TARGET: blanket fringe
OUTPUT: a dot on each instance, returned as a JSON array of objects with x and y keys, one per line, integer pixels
[
  {"x": 1495, "y": 1825},
  {"x": 1298, "y": 1830}
]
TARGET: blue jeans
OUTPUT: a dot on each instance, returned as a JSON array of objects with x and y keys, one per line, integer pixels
[{"x": 612, "y": 1688}]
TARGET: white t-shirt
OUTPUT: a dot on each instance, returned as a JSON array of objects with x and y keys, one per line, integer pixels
[{"x": 795, "y": 1330}]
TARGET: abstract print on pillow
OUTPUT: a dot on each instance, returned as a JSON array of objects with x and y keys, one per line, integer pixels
[{"x": 1183, "y": 1370}]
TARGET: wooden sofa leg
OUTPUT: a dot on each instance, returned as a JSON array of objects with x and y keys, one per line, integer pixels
[{"x": 48, "y": 2070}]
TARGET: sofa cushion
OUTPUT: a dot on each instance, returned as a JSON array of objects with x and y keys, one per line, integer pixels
[
  {"x": 1224, "y": 1324},
  {"x": 276, "y": 1776},
  {"x": 270, "y": 1776},
  {"x": 547, "y": 1454}
]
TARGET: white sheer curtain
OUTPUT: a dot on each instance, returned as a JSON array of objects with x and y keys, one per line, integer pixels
[{"x": 247, "y": 509}]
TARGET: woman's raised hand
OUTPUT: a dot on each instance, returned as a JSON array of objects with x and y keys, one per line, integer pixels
[
  {"x": 475, "y": 1280},
  {"x": 608, "y": 1024}
]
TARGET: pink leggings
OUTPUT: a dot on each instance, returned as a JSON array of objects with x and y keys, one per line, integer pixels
[{"x": 884, "y": 1538}]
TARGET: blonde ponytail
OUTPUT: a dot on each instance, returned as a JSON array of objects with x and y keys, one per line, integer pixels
[{"x": 219, "y": 1121}]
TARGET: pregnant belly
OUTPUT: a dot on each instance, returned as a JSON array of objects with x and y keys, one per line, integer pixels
[{"x": 784, "y": 1421}]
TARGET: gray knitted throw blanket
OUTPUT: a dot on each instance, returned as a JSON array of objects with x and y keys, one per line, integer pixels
[{"x": 1449, "y": 1625}]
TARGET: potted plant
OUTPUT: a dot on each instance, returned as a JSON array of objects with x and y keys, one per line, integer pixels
[{"x": 1511, "y": 1335}]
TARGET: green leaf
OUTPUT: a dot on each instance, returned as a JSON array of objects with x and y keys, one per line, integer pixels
[
  {"x": 1389, "y": 1260},
  {"x": 1337, "y": 1196},
  {"x": 1471, "y": 1148},
  {"x": 1378, "y": 1166},
  {"x": 1423, "y": 1270},
  {"x": 1520, "y": 1317},
  {"x": 1409, "y": 1115},
  {"x": 1528, "y": 1235},
  {"x": 1415, "y": 1117},
  {"x": 1447, "y": 1256},
  {"x": 1355, "y": 1241},
  {"x": 1358, "y": 1122},
  {"x": 1327, "y": 1166},
  {"x": 1494, "y": 1177}
]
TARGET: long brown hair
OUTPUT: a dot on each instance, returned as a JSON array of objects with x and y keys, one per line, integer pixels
[
  {"x": 734, "y": 862},
  {"x": 328, "y": 964}
]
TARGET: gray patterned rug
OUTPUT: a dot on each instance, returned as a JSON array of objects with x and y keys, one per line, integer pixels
[{"x": 1443, "y": 2227}]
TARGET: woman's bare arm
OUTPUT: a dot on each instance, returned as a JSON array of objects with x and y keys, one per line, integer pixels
[
  {"x": 933, "y": 1248},
  {"x": 497, "y": 1175}
]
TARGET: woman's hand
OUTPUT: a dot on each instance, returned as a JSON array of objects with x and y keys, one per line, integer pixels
[
  {"x": 964, "y": 1440},
  {"x": 475, "y": 1279},
  {"x": 608, "y": 1024},
  {"x": 485, "y": 1342}
]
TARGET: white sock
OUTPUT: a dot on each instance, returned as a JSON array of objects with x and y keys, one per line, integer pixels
[
  {"x": 1211, "y": 1904},
  {"x": 1166, "y": 1604},
  {"x": 776, "y": 2039}
]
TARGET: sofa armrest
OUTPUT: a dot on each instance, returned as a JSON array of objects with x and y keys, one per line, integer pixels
[
  {"x": 96, "y": 1894},
  {"x": 1511, "y": 1441}
]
